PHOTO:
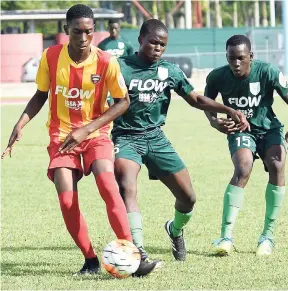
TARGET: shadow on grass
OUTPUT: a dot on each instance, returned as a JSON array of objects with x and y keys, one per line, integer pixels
[
  {"x": 154, "y": 251},
  {"x": 30, "y": 269},
  {"x": 29, "y": 248},
  {"x": 44, "y": 269}
]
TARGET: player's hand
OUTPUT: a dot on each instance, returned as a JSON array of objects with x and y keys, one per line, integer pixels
[
  {"x": 73, "y": 139},
  {"x": 14, "y": 137},
  {"x": 225, "y": 125},
  {"x": 240, "y": 118},
  {"x": 286, "y": 136}
]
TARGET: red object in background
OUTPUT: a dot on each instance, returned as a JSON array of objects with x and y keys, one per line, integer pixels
[
  {"x": 16, "y": 50},
  {"x": 98, "y": 36}
]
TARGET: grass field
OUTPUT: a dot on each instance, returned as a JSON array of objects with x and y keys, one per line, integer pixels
[{"x": 38, "y": 253}]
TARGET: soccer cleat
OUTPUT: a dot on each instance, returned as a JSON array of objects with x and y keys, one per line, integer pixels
[
  {"x": 178, "y": 243},
  {"x": 144, "y": 255},
  {"x": 90, "y": 267},
  {"x": 145, "y": 268},
  {"x": 222, "y": 246},
  {"x": 145, "y": 258},
  {"x": 265, "y": 246}
]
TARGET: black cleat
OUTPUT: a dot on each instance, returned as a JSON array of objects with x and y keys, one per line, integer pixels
[
  {"x": 178, "y": 243},
  {"x": 144, "y": 255},
  {"x": 90, "y": 267},
  {"x": 145, "y": 268}
]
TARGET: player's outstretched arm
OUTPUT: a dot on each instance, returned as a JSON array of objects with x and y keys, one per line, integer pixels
[
  {"x": 77, "y": 136},
  {"x": 207, "y": 104},
  {"x": 32, "y": 108}
]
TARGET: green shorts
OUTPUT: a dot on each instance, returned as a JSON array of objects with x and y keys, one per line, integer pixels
[
  {"x": 257, "y": 143},
  {"x": 152, "y": 149}
]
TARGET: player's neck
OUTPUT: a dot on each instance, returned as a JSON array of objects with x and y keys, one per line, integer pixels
[
  {"x": 114, "y": 37},
  {"x": 78, "y": 57},
  {"x": 144, "y": 58}
]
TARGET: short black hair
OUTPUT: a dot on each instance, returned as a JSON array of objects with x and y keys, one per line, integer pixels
[
  {"x": 79, "y": 11},
  {"x": 238, "y": 39},
  {"x": 152, "y": 25},
  {"x": 112, "y": 21}
]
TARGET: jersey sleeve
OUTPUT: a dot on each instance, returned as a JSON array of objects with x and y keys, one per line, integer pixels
[
  {"x": 114, "y": 79},
  {"x": 279, "y": 81},
  {"x": 211, "y": 90},
  {"x": 43, "y": 76},
  {"x": 182, "y": 85}
]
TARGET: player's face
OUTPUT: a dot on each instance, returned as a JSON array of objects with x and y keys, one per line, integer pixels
[
  {"x": 239, "y": 59},
  {"x": 114, "y": 30},
  {"x": 153, "y": 45},
  {"x": 80, "y": 33}
]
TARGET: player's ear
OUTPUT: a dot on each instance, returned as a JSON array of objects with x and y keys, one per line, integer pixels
[
  {"x": 140, "y": 39},
  {"x": 65, "y": 27},
  {"x": 251, "y": 55}
]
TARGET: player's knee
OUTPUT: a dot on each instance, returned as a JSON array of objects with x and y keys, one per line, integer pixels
[
  {"x": 128, "y": 189},
  {"x": 242, "y": 173},
  {"x": 276, "y": 167},
  {"x": 187, "y": 199}
]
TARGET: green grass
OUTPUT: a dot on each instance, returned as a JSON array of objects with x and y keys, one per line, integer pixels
[{"x": 38, "y": 254}]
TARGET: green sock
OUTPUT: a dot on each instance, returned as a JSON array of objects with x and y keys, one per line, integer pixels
[
  {"x": 179, "y": 222},
  {"x": 135, "y": 221},
  {"x": 233, "y": 200},
  {"x": 274, "y": 199}
]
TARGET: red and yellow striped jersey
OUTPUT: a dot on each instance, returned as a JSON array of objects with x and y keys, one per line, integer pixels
[{"x": 78, "y": 92}]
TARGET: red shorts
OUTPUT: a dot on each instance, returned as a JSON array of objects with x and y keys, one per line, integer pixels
[{"x": 92, "y": 149}]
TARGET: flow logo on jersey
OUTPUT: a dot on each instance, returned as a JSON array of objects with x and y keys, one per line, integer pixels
[
  {"x": 116, "y": 52},
  {"x": 245, "y": 101},
  {"x": 148, "y": 85},
  {"x": 74, "y": 93}
]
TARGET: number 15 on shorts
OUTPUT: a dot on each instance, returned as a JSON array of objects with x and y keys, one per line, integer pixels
[{"x": 243, "y": 141}]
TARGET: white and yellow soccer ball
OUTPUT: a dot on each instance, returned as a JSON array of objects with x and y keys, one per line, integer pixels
[{"x": 121, "y": 258}]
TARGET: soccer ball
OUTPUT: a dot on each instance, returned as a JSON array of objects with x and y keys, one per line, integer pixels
[{"x": 121, "y": 258}]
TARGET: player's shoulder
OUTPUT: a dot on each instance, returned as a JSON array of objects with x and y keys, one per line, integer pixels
[
  {"x": 265, "y": 70},
  {"x": 104, "y": 41},
  {"x": 127, "y": 60},
  {"x": 52, "y": 53},
  {"x": 54, "y": 48},
  {"x": 123, "y": 39},
  {"x": 220, "y": 71},
  {"x": 264, "y": 66},
  {"x": 172, "y": 67},
  {"x": 103, "y": 55}
]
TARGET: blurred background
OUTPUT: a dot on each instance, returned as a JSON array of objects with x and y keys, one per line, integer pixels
[{"x": 198, "y": 31}]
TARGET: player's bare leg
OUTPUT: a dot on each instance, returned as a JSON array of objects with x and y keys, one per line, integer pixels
[
  {"x": 65, "y": 181},
  {"x": 233, "y": 199},
  {"x": 275, "y": 161},
  {"x": 126, "y": 172},
  {"x": 181, "y": 187}
]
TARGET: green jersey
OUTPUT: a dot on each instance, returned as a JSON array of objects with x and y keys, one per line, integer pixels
[
  {"x": 149, "y": 88},
  {"x": 119, "y": 47},
  {"x": 253, "y": 95}
]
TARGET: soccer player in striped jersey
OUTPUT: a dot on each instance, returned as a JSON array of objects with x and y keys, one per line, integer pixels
[{"x": 76, "y": 77}]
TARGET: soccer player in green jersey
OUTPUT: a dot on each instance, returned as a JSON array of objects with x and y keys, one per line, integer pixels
[
  {"x": 247, "y": 85},
  {"x": 115, "y": 44},
  {"x": 138, "y": 137}
]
